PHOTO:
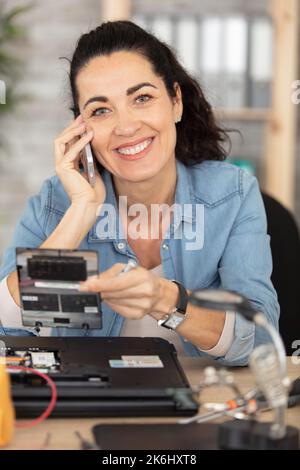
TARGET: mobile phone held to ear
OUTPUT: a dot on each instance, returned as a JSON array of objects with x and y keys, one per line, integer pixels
[{"x": 90, "y": 168}]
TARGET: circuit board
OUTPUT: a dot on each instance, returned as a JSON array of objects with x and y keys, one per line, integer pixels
[{"x": 35, "y": 358}]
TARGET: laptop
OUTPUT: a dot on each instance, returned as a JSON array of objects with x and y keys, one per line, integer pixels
[{"x": 95, "y": 376}]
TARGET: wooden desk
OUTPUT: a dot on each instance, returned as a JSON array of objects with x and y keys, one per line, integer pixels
[{"x": 62, "y": 430}]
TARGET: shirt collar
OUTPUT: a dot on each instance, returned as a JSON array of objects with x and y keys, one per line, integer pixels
[{"x": 183, "y": 199}]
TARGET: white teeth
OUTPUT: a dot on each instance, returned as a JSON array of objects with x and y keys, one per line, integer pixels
[{"x": 136, "y": 149}]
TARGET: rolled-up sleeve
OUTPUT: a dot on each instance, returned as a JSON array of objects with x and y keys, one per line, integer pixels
[
  {"x": 30, "y": 230},
  {"x": 246, "y": 267}
]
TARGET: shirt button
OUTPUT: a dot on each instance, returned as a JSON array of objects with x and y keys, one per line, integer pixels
[
  {"x": 165, "y": 246},
  {"x": 121, "y": 246}
]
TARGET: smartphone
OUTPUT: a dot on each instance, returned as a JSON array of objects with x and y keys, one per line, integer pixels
[{"x": 90, "y": 167}]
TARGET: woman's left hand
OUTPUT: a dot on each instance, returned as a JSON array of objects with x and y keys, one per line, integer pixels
[{"x": 134, "y": 294}]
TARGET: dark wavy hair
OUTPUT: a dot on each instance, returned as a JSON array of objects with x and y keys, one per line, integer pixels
[{"x": 199, "y": 137}]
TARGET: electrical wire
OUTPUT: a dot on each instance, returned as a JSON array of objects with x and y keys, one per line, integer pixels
[{"x": 50, "y": 407}]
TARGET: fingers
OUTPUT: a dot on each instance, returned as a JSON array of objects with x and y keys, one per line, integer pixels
[
  {"x": 74, "y": 152},
  {"x": 68, "y": 137},
  {"x": 136, "y": 292},
  {"x": 110, "y": 281},
  {"x": 77, "y": 120},
  {"x": 107, "y": 275},
  {"x": 74, "y": 123},
  {"x": 127, "y": 312},
  {"x": 66, "y": 141},
  {"x": 129, "y": 302},
  {"x": 69, "y": 134},
  {"x": 112, "y": 271},
  {"x": 78, "y": 147},
  {"x": 133, "y": 294},
  {"x": 131, "y": 309}
]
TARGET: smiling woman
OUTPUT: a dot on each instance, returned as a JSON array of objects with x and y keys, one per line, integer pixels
[
  {"x": 156, "y": 143},
  {"x": 125, "y": 116}
]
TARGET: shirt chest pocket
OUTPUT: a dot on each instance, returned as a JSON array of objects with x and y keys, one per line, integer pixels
[{"x": 200, "y": 270}]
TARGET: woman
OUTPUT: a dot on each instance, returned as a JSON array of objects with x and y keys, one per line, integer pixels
[{"x": 156, "y": 144}]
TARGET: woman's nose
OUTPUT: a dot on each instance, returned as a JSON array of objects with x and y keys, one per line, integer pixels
[{"x": 127, "y": 125}]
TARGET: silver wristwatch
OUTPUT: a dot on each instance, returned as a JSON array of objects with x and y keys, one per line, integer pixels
[{"x": 172, "y": 320}]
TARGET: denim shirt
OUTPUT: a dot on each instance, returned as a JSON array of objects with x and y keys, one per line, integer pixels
[{"x": 223, "y": 244}]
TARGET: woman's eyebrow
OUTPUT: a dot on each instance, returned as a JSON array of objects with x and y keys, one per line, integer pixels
[
  {"x": 135, "y": 88},
  {"x": 129, "y": 92}
]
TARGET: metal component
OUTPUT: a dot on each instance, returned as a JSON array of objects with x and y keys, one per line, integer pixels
[{"x": 265, "y": 364}]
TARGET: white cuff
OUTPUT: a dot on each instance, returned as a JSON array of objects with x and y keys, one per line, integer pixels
[{"x": 226, "y": 338}]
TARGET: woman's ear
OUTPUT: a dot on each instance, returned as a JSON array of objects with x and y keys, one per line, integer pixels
[{"x": 177, "y": 100}]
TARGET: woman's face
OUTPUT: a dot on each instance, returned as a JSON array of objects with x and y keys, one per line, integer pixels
[{"x": 132, "y": 116}]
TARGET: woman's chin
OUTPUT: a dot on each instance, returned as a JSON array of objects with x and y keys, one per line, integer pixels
[{"x": 137, "y": 175}]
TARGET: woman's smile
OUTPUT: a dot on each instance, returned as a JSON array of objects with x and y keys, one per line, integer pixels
[{"x": 135, "y": 152}]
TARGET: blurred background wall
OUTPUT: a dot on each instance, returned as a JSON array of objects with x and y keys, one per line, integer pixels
[{"x": 53, "y": 27}]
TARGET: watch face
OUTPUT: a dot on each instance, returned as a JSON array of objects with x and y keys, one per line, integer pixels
[{"x": 174, "y": 320}]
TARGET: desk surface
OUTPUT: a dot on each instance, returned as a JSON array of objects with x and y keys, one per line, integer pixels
[{"x": 61, "y": 431}]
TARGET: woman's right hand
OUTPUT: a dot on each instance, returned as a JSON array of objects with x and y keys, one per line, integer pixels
[{"x": 69, "y": 146}]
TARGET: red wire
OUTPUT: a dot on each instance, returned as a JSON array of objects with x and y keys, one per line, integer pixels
[{"x": 50, "y": 407}]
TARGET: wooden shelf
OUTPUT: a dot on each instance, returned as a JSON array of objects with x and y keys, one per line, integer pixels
[
  {"x": 243, "y": 114},
  {"x": 280, "y": 119}
]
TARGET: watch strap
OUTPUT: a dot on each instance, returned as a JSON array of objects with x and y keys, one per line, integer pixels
[
  {"x": 183, "y": 298},
  {"x": 174, "y": 318}
]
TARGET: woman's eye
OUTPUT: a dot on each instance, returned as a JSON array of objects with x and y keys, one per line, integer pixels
[
  {"x": 100, "y": 112},
  {"x": 143, "y": 98}
]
